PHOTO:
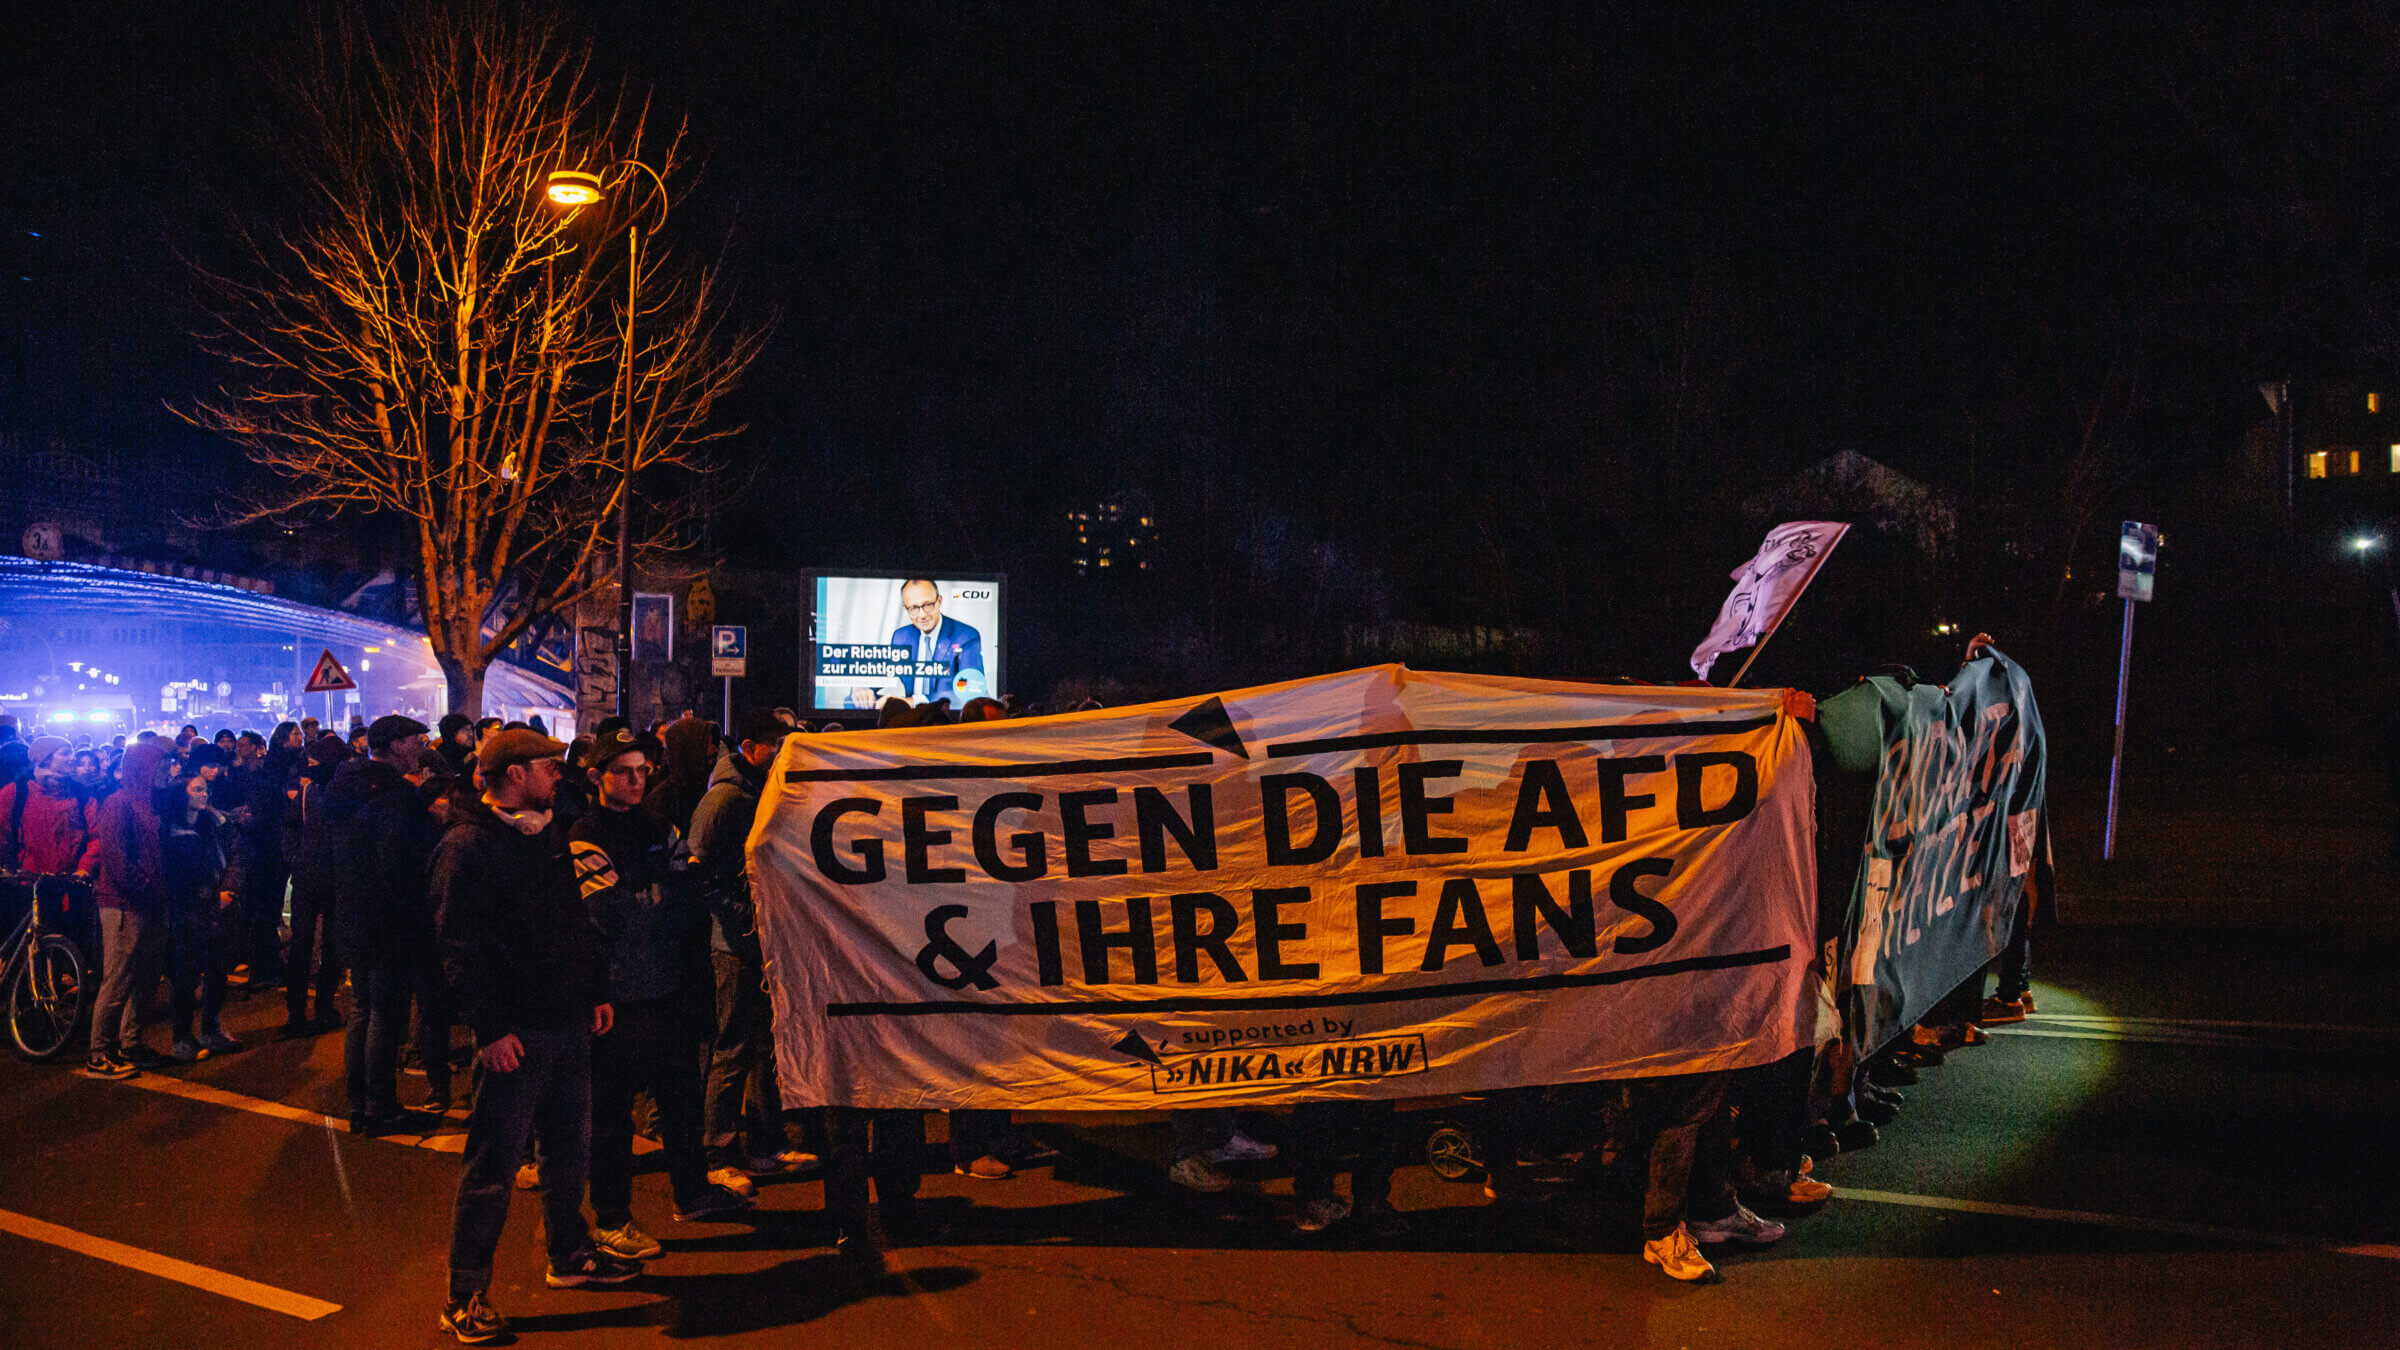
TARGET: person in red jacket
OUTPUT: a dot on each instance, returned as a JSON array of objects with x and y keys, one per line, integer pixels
[{"x": 43, "y": 824}]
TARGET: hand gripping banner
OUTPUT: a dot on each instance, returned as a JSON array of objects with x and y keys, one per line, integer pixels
[
  {"x": 1956, "y": 832},
  {"x": 1381, "y": 883}
]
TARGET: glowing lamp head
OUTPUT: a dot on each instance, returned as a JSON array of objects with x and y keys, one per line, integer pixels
[
  {"x": 573, "y": 187},
  {"x": 2366, "y": 543}
]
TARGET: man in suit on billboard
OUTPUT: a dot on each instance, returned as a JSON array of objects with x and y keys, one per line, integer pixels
[{"x": 930, "y": 638}]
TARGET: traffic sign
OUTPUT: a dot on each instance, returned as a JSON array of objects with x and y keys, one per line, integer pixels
[
  {"x": 729, "y": 650},
  {"x": 328, "y": 676},
  {"x": 2137, "y": 560}
]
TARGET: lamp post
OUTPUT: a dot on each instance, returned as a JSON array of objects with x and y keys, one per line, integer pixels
[{"x": 572, "y": 190}]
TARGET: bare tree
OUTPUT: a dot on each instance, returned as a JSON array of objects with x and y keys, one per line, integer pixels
[{"x": 433, "y": 339}]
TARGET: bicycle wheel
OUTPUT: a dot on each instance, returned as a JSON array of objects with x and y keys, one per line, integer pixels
[{"x": 46, "y": 999}]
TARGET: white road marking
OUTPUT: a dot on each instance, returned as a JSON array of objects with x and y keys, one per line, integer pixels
[
  {"x": 2133, "y": 1222},
  {"x": 447, "y": 1141},
  {"x": 167, "y": 1267},
  {"x": 2188, "y": 1030}
]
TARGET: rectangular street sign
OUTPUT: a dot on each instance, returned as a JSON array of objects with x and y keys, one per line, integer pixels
[
  {"x": 729, "y": 650},
  {"x": 2137, "y": 560}
]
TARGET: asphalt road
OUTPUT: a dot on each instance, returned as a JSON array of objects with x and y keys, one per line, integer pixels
[{"x": 2174, "y": 1153}]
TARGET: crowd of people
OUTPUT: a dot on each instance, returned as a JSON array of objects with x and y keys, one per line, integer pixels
[{"x": 583, "y": 911}]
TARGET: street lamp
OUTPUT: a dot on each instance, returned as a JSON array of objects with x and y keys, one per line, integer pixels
[
  {"x": 572, "y": 190},
  {"x": 2371, "y": 543}
]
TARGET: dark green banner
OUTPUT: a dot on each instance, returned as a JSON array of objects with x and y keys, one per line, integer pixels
[{"x": 1955, "y": 833}]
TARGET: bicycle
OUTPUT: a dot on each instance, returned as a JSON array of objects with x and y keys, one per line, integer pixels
[{"x": 42, "y": 979}]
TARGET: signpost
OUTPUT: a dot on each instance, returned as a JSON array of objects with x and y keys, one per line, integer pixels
[
  {"x": 729, "y": 656},
  {"x": 2137, "y": 565},
  {"x": 324, "y": 678}
]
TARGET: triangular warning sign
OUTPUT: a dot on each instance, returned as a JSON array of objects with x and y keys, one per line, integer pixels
[
  {"x": 1209, "y": 724},
  {"x": 328, "y": 677}
]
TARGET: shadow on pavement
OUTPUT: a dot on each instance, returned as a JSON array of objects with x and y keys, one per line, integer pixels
[{"x": 792, "y": 1293}]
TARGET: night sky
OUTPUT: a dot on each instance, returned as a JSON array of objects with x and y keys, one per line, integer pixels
[{"x": 1440, "y": 314}]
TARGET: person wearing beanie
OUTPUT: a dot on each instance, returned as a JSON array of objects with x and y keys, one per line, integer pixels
[
  {"x": 384, "y": 921},
  {"x": 651, "y": 930}
]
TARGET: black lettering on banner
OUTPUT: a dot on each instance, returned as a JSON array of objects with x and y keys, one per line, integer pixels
[
  {"x": 1273, "y": 933},
  {"x": 1373, "y": 928},
  {"x": 1416, "y": 809},
  {"x": 869, "y": 851},
  {"x": 1543, "y": 803},
  {"x": 1622, "y": 894},
  {"x": 1154, "y": 817},
  {"x": 1367, "y": 794},
  {"x": 1692, "y": 769},
  {"x": 917, "y": 842},
  {"x": 1032, "y": 849},
  {"x": 1139, "y": 940},
  {"x": 1615, "y": 805},
  {"x": 941, "y": 947},
  {"x": 1575, "y": 925},
  {"x": 1459, "y": 917},
  {"x": 1079, "y": 833},
  {"x": 1274, "y": 790},
  {"x": 1183, "y": 913},
  {"x": 1045, "y": 941}
]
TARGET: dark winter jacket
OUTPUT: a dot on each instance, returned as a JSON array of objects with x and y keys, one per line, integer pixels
[
  {"x": 386, "y": 837},
  {"x": 713, "y": 852},
  {"x": 517, "y": 943},
  {"x": 649, "y": 922},
  {"x": 199, "y": 859}
]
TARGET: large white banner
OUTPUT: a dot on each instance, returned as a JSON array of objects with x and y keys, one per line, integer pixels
[{"x": 1382, "y": 883}]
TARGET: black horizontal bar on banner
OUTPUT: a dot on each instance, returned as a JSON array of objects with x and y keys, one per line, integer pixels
[
  {"x": 903, "y": 772},
  {"x": 1606, "y": 731},
  {"x": 1216, "y": 1002}
]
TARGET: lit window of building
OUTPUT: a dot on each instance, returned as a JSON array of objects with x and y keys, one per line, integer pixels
[
  {"x": 2354, "y": 463},
  {"x": 2316, "y": 464},
  {"x": 2374, "y": 402}
]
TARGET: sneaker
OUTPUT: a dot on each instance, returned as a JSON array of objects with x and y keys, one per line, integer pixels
[
  {"x": 187, "y": 1051},
  {"x": 1677, "y": 1255},
  {"x": 1242, "y": 1148},
  {"x": 1196, "y": 1173},
  {"x": 1875, "y": 1110},
  {"x": 2025, "y": 1001},
  {"x": 143, "y": 1057},
  {"x": 775, "y": 1164},
  {"x": 2000, "y": 1012},
  {"x": 1807, "y": 1190},
  {"x": 733, "y": 1179},
  {"x": 627, "y": 1242},
  {"x": 529, "y": 1177},
  {"x": 473, "y": 1322},
  {"x": 1854, "y": 1135},
  {"x": 1318, "y": 1215},
  {"x": 985, "y": 1168},
  {"x": 108, "y": 1066},
  {"x": 1739, "y": 1226},
  {"x": 218, "y": 1043},
  {"x": 592, "y": 1267},
  {"x": 715, "y": 1203}
]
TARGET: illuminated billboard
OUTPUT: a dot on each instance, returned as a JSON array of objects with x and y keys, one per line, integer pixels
[{"x": 921, "y": 637}]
